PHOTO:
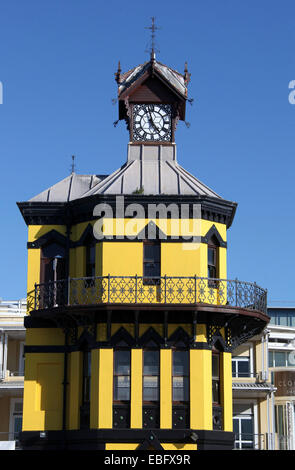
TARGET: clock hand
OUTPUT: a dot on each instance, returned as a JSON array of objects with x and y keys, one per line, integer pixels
[{"x": 152, "y": 121}]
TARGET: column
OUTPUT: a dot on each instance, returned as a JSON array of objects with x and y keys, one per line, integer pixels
[
  {"x": 105, "y": 390},
  {"x": 165, "y": 389},
  {"x": 136, "y": 389},
  {"x": 226, "y": 390},
  {"x": 201, "y": 389}
]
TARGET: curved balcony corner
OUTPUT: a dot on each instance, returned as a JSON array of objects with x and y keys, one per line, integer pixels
[{"x": 193, "y": 290}]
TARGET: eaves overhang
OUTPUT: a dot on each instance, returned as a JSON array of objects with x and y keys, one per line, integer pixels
[{"x": 81, "y": 210}]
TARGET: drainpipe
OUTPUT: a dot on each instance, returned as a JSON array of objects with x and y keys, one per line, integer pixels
[
  {"x": 5, "y": 355},
  {"x": 268, "y": 425}
]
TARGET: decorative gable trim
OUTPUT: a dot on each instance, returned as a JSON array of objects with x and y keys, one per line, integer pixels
[
  {"x": 122, "y": 339},
  {"x": 151, "y": 339}
]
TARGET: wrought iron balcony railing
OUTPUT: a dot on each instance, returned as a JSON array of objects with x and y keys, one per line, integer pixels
[{"x": 142, "y": 290}]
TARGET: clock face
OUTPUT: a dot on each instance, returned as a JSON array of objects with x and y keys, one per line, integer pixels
[{"x": 152, "y": 122}]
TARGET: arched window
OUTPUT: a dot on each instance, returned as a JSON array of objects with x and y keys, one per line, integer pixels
[
  {"x": 215, "y": 377},
  {"x": 151, "y": 261},
  {"x": 213, "y": 261},
  {"x": 90, "y": 257}
]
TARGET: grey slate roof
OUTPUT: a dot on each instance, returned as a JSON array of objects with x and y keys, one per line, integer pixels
[
  {"x": 151, "y": 169},
  {"x": 70, "y": 188},
  {"x": 172, "y": 76}
]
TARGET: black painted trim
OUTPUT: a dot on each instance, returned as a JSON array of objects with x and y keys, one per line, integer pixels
[
  {"x": 96, "y": 439},
  {"x": 81, "y": 210},
  {"x": 213, "y": 231}
]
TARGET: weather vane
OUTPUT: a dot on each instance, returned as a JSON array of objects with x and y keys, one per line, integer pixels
[
  {"x": 73, "y": 164},
  {"x": 153, "y": 29}
]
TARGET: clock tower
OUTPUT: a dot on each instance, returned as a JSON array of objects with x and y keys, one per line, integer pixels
[
  {"x": 152, "y": 98},
  {"x": 130, "y": 334}
]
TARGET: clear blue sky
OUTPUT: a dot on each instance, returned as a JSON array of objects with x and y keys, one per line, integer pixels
[{"x": 57, "y": 64}]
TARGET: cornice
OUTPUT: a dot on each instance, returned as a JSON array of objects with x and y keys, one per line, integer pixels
[{"x": 81, "y": 210}]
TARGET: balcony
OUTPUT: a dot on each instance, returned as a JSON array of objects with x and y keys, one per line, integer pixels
[{"x": 192, "y": 290}]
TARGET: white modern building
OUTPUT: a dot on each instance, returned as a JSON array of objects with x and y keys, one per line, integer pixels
[
  {"x": 281, "y": 346},
  {"x": 12, "y": 339}
]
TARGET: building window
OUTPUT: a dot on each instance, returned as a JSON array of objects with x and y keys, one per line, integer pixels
[
  {"x": 243, "y": 429},
  {"x": 90, "y": 258},
  {"x": 213, "y": 271},
  {"x": 241, "y": 366},
  {"x": 15, "y": 424},
  {"x": 281, "y": 358},
  {"x": 180, "y": 376},
  {"x": 151, "y": 372},
  {"x": 151, "y": 262},
  {"x": 121, "y": 375},
  {"x": 282, "y": 317},
  {"x": 215, "y": 378}
]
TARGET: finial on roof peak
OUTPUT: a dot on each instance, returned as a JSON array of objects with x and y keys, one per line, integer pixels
[
  {"x": 118, "y": 73},
  {"x": 73, "y": 164},
  {"x": 187, "y": 76},
  {"x": 152, "y": 48}
]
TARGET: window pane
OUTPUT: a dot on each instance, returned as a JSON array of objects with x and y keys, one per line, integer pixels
[
  {"x": 280, "y": 359},
  {"x": 270, "y": 358},
  {"x": 215, "y": 391},
  {"x": 236, "y": 426},
  {"x": 290, "y": 357},
  {"x": 243, "y": 368},
  {"x": 212, "y": 271},
  {"x": 283, "y": 318},
  {"x": 180, "y": 362},
  {"x": 152, "y": 269},
  {"x": 122, "y": 388},
  {"x": 151, "y": 363},
  {"x": 211, "y": 256},
  {"x": 215, "y": 365},
  {"x": 152, "y": 252},
  {"x": 180, "y": 389},
  {"x": 122, "y": 362},
  {"x": 233, "y": 368},
  {"x": 151, "y": 388},
  {"x": 17, "y": 424},
  {"x": 247, "y": 428}
]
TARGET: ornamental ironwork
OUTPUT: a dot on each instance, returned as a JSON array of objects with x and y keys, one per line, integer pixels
[{"x": 150, "y": 290}]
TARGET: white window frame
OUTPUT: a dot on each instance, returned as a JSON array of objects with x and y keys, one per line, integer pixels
[{"x": 253, "y": 404}]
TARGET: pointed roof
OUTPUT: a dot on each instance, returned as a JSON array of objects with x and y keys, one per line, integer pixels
[
  {"x": 174, "y": 79},
  {"x": 70, "y": 188},
  {"x": 149, "y": 170}
]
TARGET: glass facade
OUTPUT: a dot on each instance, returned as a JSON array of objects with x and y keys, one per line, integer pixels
[{"x": 282, "y": 316}]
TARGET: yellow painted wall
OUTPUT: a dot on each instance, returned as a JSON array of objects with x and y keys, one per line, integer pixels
[{"x": 43, "y": 391}]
